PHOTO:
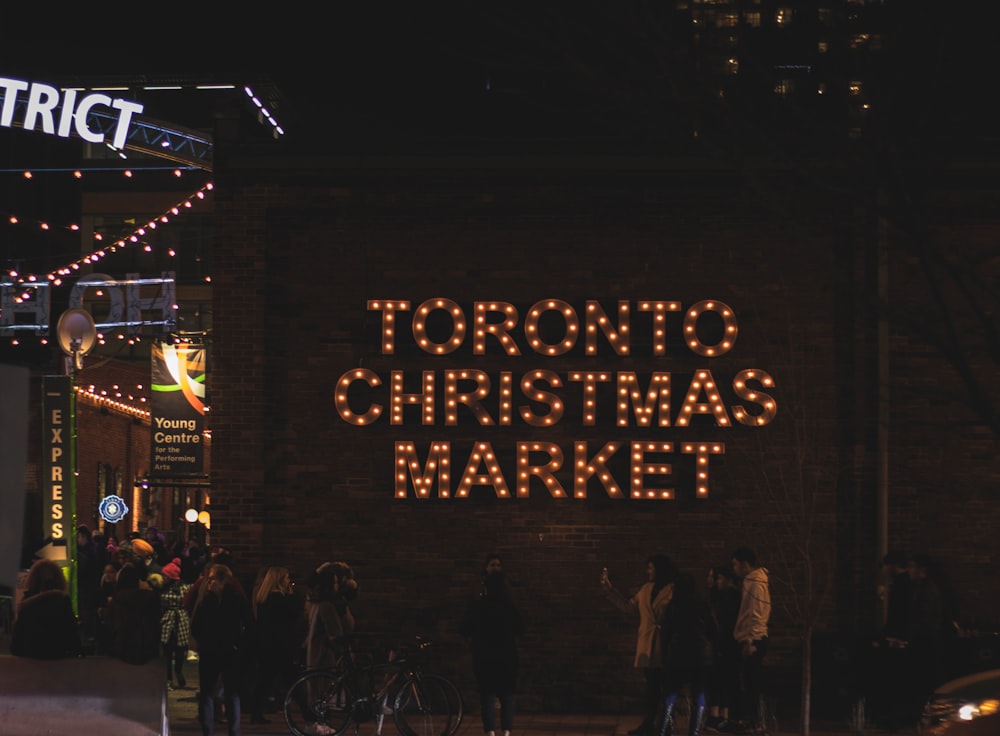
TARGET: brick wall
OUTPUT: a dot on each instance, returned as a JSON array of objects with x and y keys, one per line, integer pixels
[{"x": 301, "y": 247}]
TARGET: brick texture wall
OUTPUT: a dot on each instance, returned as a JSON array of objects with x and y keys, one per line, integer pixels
[{"x": 302, "y": 245}]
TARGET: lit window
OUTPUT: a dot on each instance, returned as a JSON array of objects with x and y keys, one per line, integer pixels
[
  {"x": 854, "y": 88},
  {"x": 733, "y": 65},
  {"x": 784, "y": 87},
  {"x": 752, "y": 18},
  {"x": 783, "y": 16},
  {"x": 859, "y": 40},
  {"x": 823, "y": 47}
]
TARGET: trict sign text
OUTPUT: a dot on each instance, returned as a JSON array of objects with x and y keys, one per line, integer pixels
[{"x": 62, "y": 112}]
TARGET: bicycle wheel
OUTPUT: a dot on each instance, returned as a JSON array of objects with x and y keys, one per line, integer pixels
[
  {"x": 319, "y": 703},
  {"x": 427, "y": 705}
]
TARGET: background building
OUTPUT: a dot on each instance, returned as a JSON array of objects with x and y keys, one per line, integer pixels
[{"x": 789, "y": 165}]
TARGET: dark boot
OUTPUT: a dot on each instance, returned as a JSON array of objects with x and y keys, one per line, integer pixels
[
  {"x": 697, "y": 720},
  {"x": 667, "y": 728}
]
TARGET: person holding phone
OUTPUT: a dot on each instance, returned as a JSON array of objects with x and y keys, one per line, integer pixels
[{"x": 649, "y": 601}]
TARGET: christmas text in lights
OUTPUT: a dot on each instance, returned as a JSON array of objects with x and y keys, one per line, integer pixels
[{"x": 538, "y": 397}]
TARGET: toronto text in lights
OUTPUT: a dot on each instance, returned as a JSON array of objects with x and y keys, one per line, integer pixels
[{"x": 537, "y": 396}]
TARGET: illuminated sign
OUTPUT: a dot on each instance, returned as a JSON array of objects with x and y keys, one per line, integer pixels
[
  {"x": 177, "y": 409},
  {"x": 57, "y": 447},
  {"x": 63, "y": 112},
  {"x": 133, "y": 303},
  {"x": 553, "y": 328},
  {"x": 113, "y": 509}
]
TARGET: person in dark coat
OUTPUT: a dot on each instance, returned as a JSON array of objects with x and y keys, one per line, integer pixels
[
  {"x": 88, "y": 576},
  {"x": 134, "y": 618},
  {"x": 45, "y": 626},
  {"x": 724, "y": 687},
  {"x": 687, "y": 633},
  {"x": 493, "y": 622},
  {"x": 221, "y": 616},
  {"x": 279, "y": 627}
]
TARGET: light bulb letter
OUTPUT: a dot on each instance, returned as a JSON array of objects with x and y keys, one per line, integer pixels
[
  {"x": 342, "y": 402},
  {"x": 388, "y": 330}
]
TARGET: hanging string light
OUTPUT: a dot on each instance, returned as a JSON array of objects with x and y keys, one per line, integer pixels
[{"x": 29, "y": 281}]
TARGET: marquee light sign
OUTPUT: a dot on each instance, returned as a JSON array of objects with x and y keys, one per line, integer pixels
[
  {"x": 63, "y": 112},
  {"x": 553, "y": 328}
]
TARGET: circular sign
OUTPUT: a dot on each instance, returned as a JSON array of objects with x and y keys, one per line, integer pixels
[{"x": 113, "y": 509}]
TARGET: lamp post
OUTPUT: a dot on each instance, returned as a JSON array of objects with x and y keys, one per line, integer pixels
[{"x": 76, "y": 334}]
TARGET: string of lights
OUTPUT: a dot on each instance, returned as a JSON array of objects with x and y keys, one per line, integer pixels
[{"x": 78, "y": 174}]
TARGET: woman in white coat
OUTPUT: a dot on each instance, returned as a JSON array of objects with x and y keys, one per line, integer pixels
[{"x": 649, "y": 601}]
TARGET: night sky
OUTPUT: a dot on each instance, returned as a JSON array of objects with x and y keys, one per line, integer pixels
[{"x": 578, "y": 78}]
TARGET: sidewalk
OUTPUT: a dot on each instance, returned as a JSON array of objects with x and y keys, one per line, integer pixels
[{"x": 183, "y": 713}]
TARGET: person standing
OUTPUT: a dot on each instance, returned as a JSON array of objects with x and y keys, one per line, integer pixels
[
  {"x": 923, "y": 636},
  {"x": 175, "y": 626},
  {"x": 277, "y": 613},
  {"x": 331, "y": 589},
  {"x": 134, "y": 617},
  {"x": 493, "y": 622},
  {"x": 220, "y": 618},
  {"x": 45, "y": 626},
  {"x": 724, "y": 688},
  {"x": 649, "y": 601},
  {"x": 687, "y": 633},
  {"x": 88, "y": 576},
  {"x": 751, "y": 630}
]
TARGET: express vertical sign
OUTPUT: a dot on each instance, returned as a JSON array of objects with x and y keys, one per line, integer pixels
[{"x": 58, "y": 407}]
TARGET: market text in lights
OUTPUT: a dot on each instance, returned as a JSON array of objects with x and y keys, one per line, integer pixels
[{"x": 537, "y": 397}]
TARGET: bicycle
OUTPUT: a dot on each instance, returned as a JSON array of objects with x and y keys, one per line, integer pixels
[{"x": 328, "y": 701}]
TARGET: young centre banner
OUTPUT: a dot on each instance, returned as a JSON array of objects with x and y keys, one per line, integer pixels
[{"x": 177, "y": 398}]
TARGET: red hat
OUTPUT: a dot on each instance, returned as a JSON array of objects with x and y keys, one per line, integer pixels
[{"x": 172, "y": 569}]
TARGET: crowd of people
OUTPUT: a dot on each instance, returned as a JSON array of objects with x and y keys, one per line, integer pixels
[
  {"x": 139, "y": 601},
  {"x": 709, "y": 646},
  {"x": 146, "y": 604}
]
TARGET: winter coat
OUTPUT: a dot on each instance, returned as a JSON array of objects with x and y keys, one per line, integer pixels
[
  {"x": 219, "y": 624},
  {"x": 687, "y": 632},
  {"x": 648, "y": 650},
  {"x": 134, "y": 617},
  {"x": 46, "y": 627},
  {"x": 493, "y": 623},
  {"x": 329, "y": 620},
  {"x": 755, "y": 607},
  {"x": 174, "y": 620}
]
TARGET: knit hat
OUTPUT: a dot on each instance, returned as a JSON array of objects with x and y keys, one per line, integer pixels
[
  {"x": 142, "y": 548},
  {"x": 172, "y": 569}
]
